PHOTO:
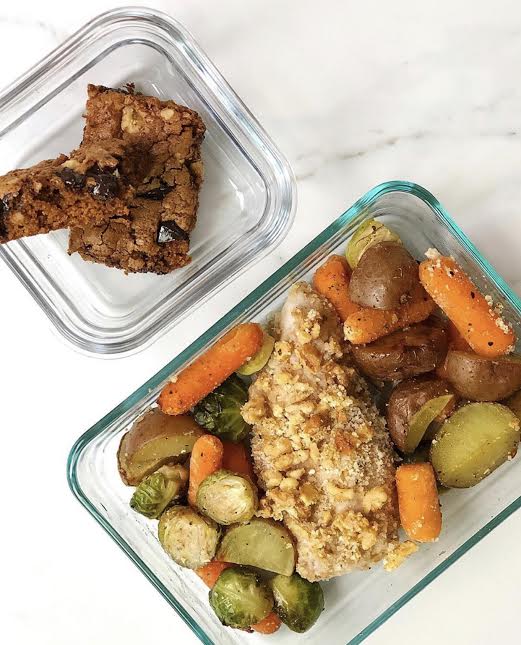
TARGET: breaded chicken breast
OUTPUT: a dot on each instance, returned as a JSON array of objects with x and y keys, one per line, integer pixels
[{"x": 321, "y": 451}]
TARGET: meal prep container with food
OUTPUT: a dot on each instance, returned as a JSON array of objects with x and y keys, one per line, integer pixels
[
  {"x": 357, "y": 603},
  {"x": 247, "y": 199}
]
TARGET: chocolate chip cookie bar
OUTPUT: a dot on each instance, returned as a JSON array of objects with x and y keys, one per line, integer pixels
[
  {"x": 92, "y": 184},
  {"x": 154, "y": 235}
]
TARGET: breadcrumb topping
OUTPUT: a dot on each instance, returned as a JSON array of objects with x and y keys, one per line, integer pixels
[
  {"x": 432, "y": 254},
  {"x": 321, "y": 450},
  {"x": 398, "y": 553}
]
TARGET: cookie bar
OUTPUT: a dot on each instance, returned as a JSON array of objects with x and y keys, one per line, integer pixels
[
  {"x": 89, "y": 185},
  {"x": 129, "y": 242},
  {"x": 154, "y": 237}
]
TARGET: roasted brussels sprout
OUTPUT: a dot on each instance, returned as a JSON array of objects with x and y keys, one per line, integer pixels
[
  {"x": 259, "y": 543},
  {"x": 240, "y": 599},
  {"x": 189, "y": 538},
  {"x": 366, "y": 235},
  {"x": 386, "y": 277},
  {"x": 155, "y": 439},
  {"x": 473, "y": 442},
  {"x": 298, "y": 602},
  {"x": 159, "y": 490},
  {"x": 220, "y": 412},
  {"x": 257, "y": 362},
  {"x": 227, "y": 498}
]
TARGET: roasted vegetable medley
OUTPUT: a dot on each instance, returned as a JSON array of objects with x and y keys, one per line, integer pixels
[{"x": 434, "y": 348}]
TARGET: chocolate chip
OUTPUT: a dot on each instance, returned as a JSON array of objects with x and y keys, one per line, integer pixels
[
  {"x": 73, "y": 180},
  {"x": 128, "y": 88},
  {"x": 4, "y": 209},
  {"x": 170, "y": 232},
  {"x": 104, "y": 185},
  {"x": 157, "y": 193}
]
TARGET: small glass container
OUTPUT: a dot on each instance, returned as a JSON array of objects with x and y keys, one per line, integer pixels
[
  {"x": 356, "y": 603},
  {"x": 247, "y": 199}
]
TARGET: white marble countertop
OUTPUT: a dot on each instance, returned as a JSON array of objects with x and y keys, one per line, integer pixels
[{"x": 354, "y": 93}]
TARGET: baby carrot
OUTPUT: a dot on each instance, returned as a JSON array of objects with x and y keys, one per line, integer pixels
[
  {"x": 418, "y": 501},
  {"x": 331, "y": 280},
  {"x": 268, "y": 625},
  {"x": 456, "y": 340},
  {"x": 451, "y": 288},
  {"x": 237, "y": 459},
  {"x": 211, "y": 369},
  {"x": 211, "y": 571},
  {"x": 206, "y": 458},
  {"x": 367, "y": 325}
]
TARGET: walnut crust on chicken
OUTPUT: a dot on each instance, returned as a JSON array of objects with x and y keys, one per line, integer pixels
[{"x": 321, "y": 451}]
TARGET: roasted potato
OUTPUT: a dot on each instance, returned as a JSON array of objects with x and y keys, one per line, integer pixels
[
  {"x": 385, "y": 278},
  {"x": 403, "y": 354},
  {"x": 155, "y": 439},
  {"x": 483, "y": 379},
  {"x": 473, "y": 442},
  {"x": 413, "y": 406},
  {"x": 514, "y": 403}
]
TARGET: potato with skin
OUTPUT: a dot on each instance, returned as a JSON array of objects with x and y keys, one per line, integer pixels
[
  {"x": 386, "y": 277},
  {"x": 406, "y": 426},
  {"x": 154, "y": 440},
  {"x": 514, "y": 403},
  {"x": 403, "y": 354},
  {"x": 479, "y": 378},
  {"x": 473, "y": 442}
]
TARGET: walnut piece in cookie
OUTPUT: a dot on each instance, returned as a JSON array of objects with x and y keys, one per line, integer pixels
[
  {"x": 87, "y": 186},
  {"x": 155, "y": 236}
]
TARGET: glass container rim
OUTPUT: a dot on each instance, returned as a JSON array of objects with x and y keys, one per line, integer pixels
[
  {"x": 16, "y": 102},
  {"x": 217, "y": 328}
]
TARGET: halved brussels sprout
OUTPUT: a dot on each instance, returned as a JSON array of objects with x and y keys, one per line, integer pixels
[
  {"x": 473, "y": 442},
  {"x": 159, "y": 490},
  {"x": 366, "y": 235},
  {"x": 220, "y": 412},
  {"x": 155, "y": 439},
  {"x": 259, "y": 543},
  {"x": 257, "y": 362},
  {"x": 240, "y": 599},
  {"x": 227, "y": 498},
  {"x": 189, "y": 538},
  {"x": 298, "y": 602}
]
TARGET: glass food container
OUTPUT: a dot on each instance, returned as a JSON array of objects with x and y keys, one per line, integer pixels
[
  {"x": 357, "y": 603},
  {"x": 247, "y": 199}
]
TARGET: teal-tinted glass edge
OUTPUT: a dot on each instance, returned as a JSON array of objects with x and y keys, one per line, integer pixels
[{"x": 214, "y": 331}]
